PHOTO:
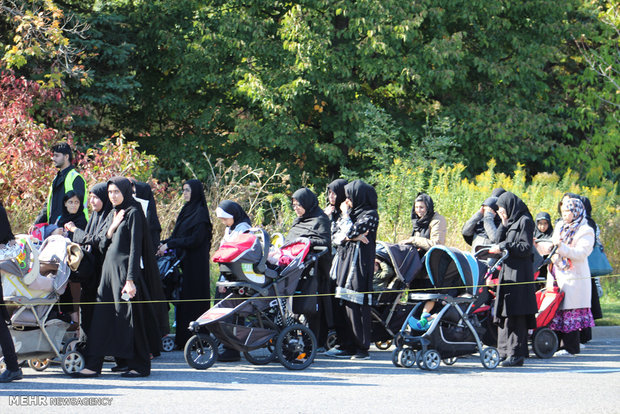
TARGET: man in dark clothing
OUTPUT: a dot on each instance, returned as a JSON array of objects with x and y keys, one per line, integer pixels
[{"x": 67, "y": 179}]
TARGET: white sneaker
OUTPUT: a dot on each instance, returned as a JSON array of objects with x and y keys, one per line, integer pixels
[
  {"x": 582, "y": 347},
  {"x": 565, "y": 353}
]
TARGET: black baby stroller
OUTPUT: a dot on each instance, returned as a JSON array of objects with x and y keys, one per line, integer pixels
[
  {"x": 255, "y": 318},
  {"x": 170, "y": 275},
  {"x": 387, "y": 310},
  {"x": 456, "y": 330}
]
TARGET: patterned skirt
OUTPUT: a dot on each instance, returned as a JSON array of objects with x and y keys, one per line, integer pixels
[{"x": 569, "y": 320}]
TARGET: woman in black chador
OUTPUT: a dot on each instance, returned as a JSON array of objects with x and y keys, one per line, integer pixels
[
  {"x": 125, "y": 326},
  {"x": 515, "y": 303},
  {"x": 354, "y": 265},
  {"x": 313, "y": 224},
  {"x": 191, "y": 238},
  {"x": 89, "y": 272}
]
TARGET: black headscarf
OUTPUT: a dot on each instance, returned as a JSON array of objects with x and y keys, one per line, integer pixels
[
  {"x": 497, "y": 192},
  {"x": 514, "y": 206},
  {"x": 314, "y": 224},
  {"x": 6, "y": 234},
  {"x": 308, "y": 200},
  {"x": 124, "y": 185},
  {"x": 78, "y": 218},
  {"x": 420, "y": 224},
  {"x": 98, "y": 217},
  {"x": 194, "y": 212},
  {"x": 236, "y": 211},
  {"x": 549, "y": 232},
  {"x": 337, "y": 186},
  {"x": 363, "y": 196}
]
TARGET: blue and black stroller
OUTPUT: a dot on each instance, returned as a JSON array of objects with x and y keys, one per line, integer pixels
[
  {"x": 255, "y": 317},
  {"x": 463, "y": 313}
]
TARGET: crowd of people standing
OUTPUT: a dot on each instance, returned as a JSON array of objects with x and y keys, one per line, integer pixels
[{"x": 122, "y": 239}]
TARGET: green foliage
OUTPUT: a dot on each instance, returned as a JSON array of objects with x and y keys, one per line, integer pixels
[{"x": 457, "y": 198}]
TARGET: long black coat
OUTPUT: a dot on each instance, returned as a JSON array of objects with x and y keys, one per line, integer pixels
[
  {"x": 516, "y": 299},
  {"x": 118, "y": 325},
  {"x": 191, "y": 238}
]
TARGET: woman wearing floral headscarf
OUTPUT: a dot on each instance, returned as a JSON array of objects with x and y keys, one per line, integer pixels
[{"x": 575, "y": 240}]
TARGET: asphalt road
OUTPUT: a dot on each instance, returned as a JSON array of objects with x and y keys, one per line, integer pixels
[{"x": 587, "y": 383}]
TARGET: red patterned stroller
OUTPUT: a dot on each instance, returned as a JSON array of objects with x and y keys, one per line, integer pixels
[{"x": 255, "y": 317}]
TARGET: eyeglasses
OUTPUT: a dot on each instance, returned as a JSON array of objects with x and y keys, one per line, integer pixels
[{"x": 296, "y": 205}]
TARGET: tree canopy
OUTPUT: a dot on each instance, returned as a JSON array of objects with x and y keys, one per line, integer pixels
[{"x": 325, "y": 86}]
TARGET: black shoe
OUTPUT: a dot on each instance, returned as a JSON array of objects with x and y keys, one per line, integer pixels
[
  {"x": 133, "y": 374},
  {"x": 81, "y": 374},
  {"x": 513, "y": 362},
  {"x": 8, "y": 376},
  {"x": 119, "y": 369},
  {"x": 339, "y": 353},
  {"x": 361, "y": 355},
  {"x": 229, "y": 355}
]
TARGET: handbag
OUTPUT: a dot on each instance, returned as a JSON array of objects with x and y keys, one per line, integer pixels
[
  {"x": 598, "y": 262},
  {"x": 306, "y": 302}
]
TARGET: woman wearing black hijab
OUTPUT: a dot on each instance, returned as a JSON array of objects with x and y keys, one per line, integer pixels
[
  {"x": 429, "y": 227},
  {"x": 128, "y": 325},
  {"x": 515, "y": 303},
  {"x": 335, "y": 197},
  {"x": 354, "y": 268},
  {"x": 191, "y": 238},
  {"x": 72, "y": 211},
  {"x": 89, "y": 272},
  {"x": 313, "y": 224},
  {"x": 13, "y": 371}
]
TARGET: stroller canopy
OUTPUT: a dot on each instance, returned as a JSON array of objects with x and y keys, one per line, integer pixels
[
  {"x": 450, "y": 267},
  {"x": 246, "y": 248},
  {"x": 404, "y": 259}
]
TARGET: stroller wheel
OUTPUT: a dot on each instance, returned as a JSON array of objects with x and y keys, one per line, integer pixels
[
  {"x": 296, "y": 347},
  {"x": 490, "y": 358},
  {"x": 200, "y": 351},
  {"x": 431, "y": 359},
  {"x": 331, "y": 341},
  {"x": 39, "y": 364},
  {"x": 167, "y": 343},
  {"x": 395, "y": 358},
  {"x": 450, "y": 361},
  {"x": 419, "y": 360},
  {"x": 407, "y": 357},
  {"x": 72, "y": 362},
  {"x": 383, "y": 345},
  {"x": 544, "y": 342}
]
